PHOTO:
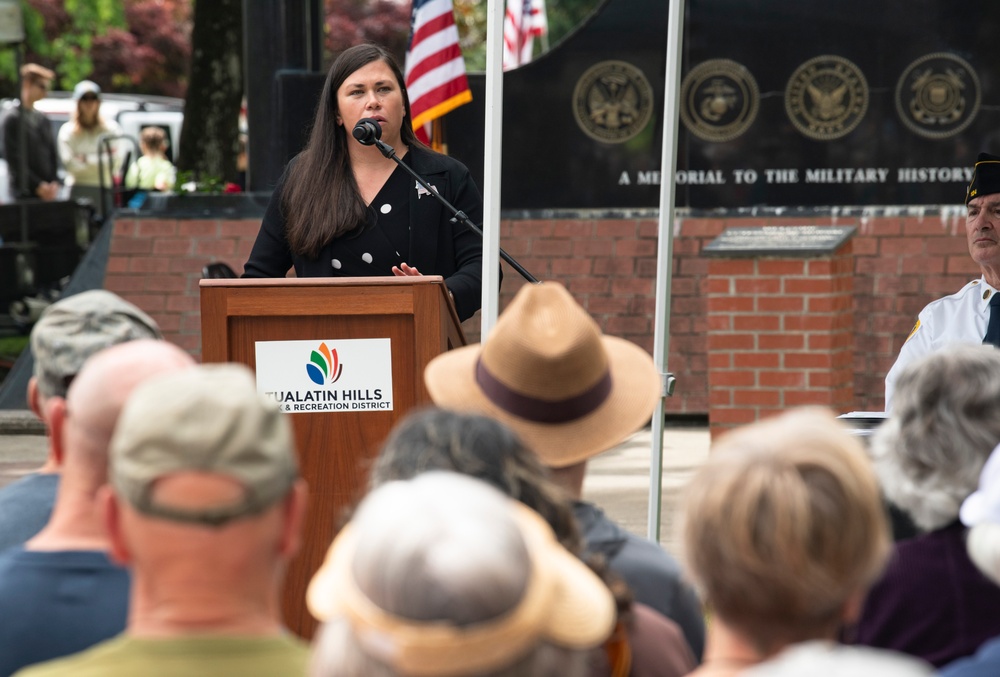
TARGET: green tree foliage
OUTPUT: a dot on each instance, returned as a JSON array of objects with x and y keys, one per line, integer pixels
[
  {"x": 140, "y": 46},
  {"x": 71, "y": 49},
  {"x": 564, "y": 16},
  {"x": 387, "y": 22}
]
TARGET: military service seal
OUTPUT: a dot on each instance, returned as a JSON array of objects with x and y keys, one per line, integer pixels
[
  {"x": 719, "y": 100},
  {"x": 938, "y": 95},
  {"x": 612, "y": 101},
  {"x": 826, "y": 97}
]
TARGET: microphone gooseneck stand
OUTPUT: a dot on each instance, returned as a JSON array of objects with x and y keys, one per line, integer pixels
[{"x": 389, "y": 152}]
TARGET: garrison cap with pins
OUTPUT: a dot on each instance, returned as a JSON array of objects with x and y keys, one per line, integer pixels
[{"x": 985, "y": 177}]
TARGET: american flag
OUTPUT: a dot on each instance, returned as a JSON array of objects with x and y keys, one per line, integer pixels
[
  {"x": 435, "y": 69},
  {"x": 523, "y": 21}
]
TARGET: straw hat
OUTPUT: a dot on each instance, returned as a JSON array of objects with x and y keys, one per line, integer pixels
[
  {"x": 563, "y": 601},
  {"x": 548, "y": 373}
]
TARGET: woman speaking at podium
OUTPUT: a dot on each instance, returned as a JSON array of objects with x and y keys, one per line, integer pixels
[{"x": 342, "y": 209}]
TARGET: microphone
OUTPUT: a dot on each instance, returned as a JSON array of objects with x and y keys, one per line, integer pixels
[{"x": 367, "y": 131}]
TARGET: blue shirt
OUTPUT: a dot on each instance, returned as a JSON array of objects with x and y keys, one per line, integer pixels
[
  {"x": 25, "y": 507},
  {"x": 57, "y": 603}
]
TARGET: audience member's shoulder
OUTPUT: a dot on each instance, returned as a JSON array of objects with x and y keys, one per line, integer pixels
[
  {"x": 25, "y": 507},
  {"x": 625, "y": 550},
  {"x": 92, "y": 662},
  {"x": 985, "y": 663},
  {"x": 833, "y": 660},
  {"x": 658, "y": 645}
]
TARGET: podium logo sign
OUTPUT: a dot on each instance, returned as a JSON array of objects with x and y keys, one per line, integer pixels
[{"x": 326, "y": 375}]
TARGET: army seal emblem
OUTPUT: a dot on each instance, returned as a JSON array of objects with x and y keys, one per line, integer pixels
[
  {"x": 826, "y": 97},
  {"x": 719, "y": 100},
  {"x": 938, "y": 95},
  {"x": 612, "y": 101}
]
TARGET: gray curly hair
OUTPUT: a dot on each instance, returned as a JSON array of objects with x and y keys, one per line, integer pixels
[{"x": 945, "y": 423}]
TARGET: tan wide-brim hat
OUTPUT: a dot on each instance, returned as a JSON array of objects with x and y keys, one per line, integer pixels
[
  {"x": 548, "y": 373},
  {"x": 564, "y": 603}
]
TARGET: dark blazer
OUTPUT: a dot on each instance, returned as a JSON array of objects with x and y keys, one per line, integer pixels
[
  {"x": 41, "y": 152},
  {"x": 437, "y": 246}
]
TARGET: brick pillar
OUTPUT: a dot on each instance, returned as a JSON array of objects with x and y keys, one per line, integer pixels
[{"x": 780, "y": 335}]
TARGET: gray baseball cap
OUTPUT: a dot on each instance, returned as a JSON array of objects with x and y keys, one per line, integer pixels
[
  {"x": 207, "y": 418},
  {"x": 74, "y": 328}
]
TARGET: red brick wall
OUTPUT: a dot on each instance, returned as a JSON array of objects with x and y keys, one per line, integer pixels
[
  {"x": 780, "y": 335},
  {"x": 156, "y": 263},
  {"x": 900, "y": 263}
]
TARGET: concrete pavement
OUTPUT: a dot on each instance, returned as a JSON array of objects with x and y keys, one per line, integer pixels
[{"x": 617, "y": 480}]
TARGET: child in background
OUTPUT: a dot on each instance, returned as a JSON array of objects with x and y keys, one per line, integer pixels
[{"x": 152, "y": 171}]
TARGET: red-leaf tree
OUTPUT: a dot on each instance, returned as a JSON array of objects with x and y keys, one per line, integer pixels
[{"x": 350, "y": 22}]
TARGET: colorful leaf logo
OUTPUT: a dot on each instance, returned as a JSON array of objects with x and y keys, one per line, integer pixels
[{"x": 324, "y": 365}]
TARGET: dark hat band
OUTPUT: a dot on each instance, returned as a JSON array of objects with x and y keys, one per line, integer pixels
[{"x": 538, "y": 410}]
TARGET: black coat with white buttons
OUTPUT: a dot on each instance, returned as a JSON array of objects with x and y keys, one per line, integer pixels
[{"x": 437, "y": 245}]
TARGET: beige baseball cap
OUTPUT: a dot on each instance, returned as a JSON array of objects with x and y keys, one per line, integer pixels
[
  {"x": 207, "y": 418},
  {"x": 75, "y": 327}
]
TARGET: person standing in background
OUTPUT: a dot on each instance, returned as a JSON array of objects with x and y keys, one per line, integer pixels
[
  {"x": 80, "y": 144},
  {"x": 968, "y": 316},
  {"x": 39, "y": 157}
]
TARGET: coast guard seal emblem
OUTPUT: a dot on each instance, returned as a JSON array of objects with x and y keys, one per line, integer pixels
[{"x": 938, "y": 95}]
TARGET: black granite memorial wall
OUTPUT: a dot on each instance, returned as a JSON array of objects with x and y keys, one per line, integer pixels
[{"x": 783, "y": 103}]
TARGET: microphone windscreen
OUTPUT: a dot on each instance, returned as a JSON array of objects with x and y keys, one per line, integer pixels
[{"x": 367, "y": 130}]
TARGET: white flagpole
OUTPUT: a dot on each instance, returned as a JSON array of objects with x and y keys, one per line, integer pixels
[
  {"x": 491, "y": 169},
  {"x": 665, "y": 253}
]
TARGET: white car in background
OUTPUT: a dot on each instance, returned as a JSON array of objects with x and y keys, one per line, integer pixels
[{"x": 132, "y": 111}]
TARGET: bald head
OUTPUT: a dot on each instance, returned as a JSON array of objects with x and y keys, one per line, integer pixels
[{"x": 99, "y": 392}]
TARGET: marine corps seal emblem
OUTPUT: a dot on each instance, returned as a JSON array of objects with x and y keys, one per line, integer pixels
[
  {"x": 826, "y": 97},
  {"x": 612, "y": 101},
  {"x": 719, "y": 100}
]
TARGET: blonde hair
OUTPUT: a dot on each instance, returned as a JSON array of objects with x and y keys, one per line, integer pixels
[{"x": 783, "y": 524}]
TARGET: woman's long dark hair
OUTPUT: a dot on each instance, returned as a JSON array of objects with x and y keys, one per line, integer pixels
[{"x": 321, "y": 199}]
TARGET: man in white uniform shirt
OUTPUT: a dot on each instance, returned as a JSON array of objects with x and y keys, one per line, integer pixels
[{"x": 964, "y": 317}]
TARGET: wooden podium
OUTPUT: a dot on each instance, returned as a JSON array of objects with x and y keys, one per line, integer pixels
[{"x": 335, "y": 447}]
